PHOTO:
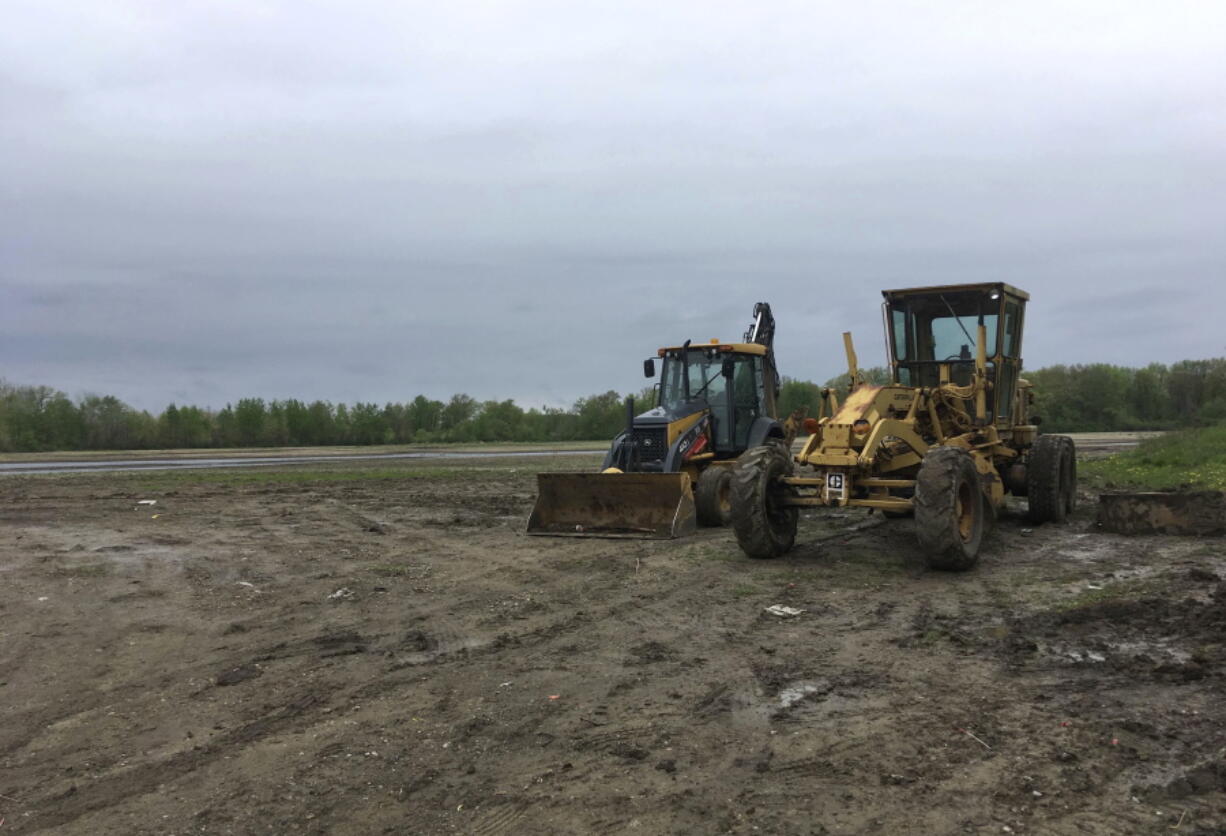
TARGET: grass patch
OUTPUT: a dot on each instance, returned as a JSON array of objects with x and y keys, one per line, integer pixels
[
  {"x": 303, "y": 476},
  {"x": 701, "y": 552},
  {"x": 1188, "y": 458},
  {"x": 1121, "y": 591},
  {"x": 394, "y": 570},
  {"x": 858, "y": 565}
]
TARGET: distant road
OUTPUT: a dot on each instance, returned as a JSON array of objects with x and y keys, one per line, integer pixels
[
  {"x": 195, "y": 462},
  {"x": 1104, "y": 443},
  {"x": 1093, "y": 443}
]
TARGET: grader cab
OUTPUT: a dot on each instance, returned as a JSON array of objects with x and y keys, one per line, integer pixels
[{"x": 947, "y": 439}]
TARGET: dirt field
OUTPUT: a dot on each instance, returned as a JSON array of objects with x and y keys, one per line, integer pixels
[{"x": 344, "y": 649}]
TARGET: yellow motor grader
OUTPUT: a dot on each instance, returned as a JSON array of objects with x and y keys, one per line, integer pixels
[
  {"x": 671, "y": 468},
  {"x": 947, "y": 439}
]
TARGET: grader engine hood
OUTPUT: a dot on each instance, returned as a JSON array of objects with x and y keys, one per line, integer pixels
[{"x": 855, "y": 431}]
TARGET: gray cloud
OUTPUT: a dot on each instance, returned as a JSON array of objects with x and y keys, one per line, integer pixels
[{"x": 367, "y": 201}]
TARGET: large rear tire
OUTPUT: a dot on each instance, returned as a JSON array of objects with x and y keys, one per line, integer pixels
[
  {"x": 949, "y": 509},
  {"x": 713, "y": 496},
  {"x": 1051, "y": 478},
  {"x": 764, "y": 526}
]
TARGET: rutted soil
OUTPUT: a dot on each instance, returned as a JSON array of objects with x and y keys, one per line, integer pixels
[{"x": 332, "y": 653}]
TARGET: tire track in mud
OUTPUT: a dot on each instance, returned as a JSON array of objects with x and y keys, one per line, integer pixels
[
  {"x": 502, "y": 818},
  {"x": 110, "y": 790},
  {"x": 304, "y": 709},
  {"x": 673, "y": 661},
  {"x": 439, "y": 644}
]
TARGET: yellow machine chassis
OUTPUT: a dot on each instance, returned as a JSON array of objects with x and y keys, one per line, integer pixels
[{"x": 870, "y": 444}]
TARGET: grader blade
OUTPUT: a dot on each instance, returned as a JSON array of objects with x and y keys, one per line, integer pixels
[{"x": 648, "y": 506}]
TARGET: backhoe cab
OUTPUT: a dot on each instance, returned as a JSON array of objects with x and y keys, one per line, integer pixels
[
  {"x": 714, "y": 402},
  {"x": 947, "y": 439},
  {"x": 670, "y": 469}
]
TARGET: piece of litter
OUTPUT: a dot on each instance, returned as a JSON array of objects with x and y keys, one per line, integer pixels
[
  {"x": 555, "y": 696},
  {"x": 146, "y": 502},
  {"x": 1026, "y": 532},
  {"x": 974, "y": 738},
  {"x": 504, "y": 684},
  {"x": 155, "y": 516},
  {"x": 1115, "y": 741},
  {"x": 343, "y": 592},
  {"x": 247, "y": 584},
  {"x": 1093, "y": 586},
  {"x": 44, "y": 598},
  {"x": 783, "y": 612}
]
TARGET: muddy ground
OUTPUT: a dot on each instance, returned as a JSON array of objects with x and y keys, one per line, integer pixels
[{"x": 348, "y": 649}]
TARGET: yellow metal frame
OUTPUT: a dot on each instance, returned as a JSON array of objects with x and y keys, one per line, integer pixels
[{"x": 875, "y": 433}]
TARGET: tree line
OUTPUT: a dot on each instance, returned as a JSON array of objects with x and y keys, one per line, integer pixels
[
  {"x": 1079, "y": 398},
  {"x": 1096, "y": 397},
  {"x": 39, "y": 418}
]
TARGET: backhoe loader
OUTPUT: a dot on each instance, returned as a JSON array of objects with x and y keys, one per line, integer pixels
[
  {"x": 946, "y": 440},
  {"x": 670, "y": 469}
]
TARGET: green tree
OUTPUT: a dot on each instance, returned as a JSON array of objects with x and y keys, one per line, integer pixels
[
  {"x": 798, "y": 394},
  {"x": 366, "y": 421},
  {"x": 250, "y": 415},
  {"x": 425, "y": 414},
  {"x": 599, "y": 416},
  {"x": 498, "y": 421}
]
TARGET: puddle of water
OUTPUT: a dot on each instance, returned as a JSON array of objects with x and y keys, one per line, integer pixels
[
  {"x": 798, "y": 691},
  {"x": 445, "y": 648},
  {"x": 1084, "y": 655},
  {"x": 1157, "y": 650},
  {"x": 138, "y": 555}
]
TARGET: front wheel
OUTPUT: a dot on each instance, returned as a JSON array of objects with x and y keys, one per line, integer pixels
[
  {"x": 949, "y": 509},
  {"x": 764, "y": 525}
]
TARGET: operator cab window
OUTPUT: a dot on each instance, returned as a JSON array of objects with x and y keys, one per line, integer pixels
[
  {"x": 706, "y": 378},
  {"x": 940, "y": 328}
]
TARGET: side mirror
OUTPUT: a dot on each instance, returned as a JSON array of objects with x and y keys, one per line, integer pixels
[
  {"x": 728, "y": 368},
  {"x": 649, "y": 367}
]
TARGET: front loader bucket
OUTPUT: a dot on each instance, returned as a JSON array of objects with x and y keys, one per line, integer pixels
[{"x": 651, "y": 506}]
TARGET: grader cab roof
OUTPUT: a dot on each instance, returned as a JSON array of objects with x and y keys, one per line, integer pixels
[{"x": 985, "y": 287}]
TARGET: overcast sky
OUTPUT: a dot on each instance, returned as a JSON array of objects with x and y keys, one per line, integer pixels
[{"x": 370, "y": 200}]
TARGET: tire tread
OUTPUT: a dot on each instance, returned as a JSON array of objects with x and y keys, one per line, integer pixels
[
  {"x": 1044, "y": 477},
  {"x": 755, "y": 533},
  {"x": 935, "y": 508}
]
